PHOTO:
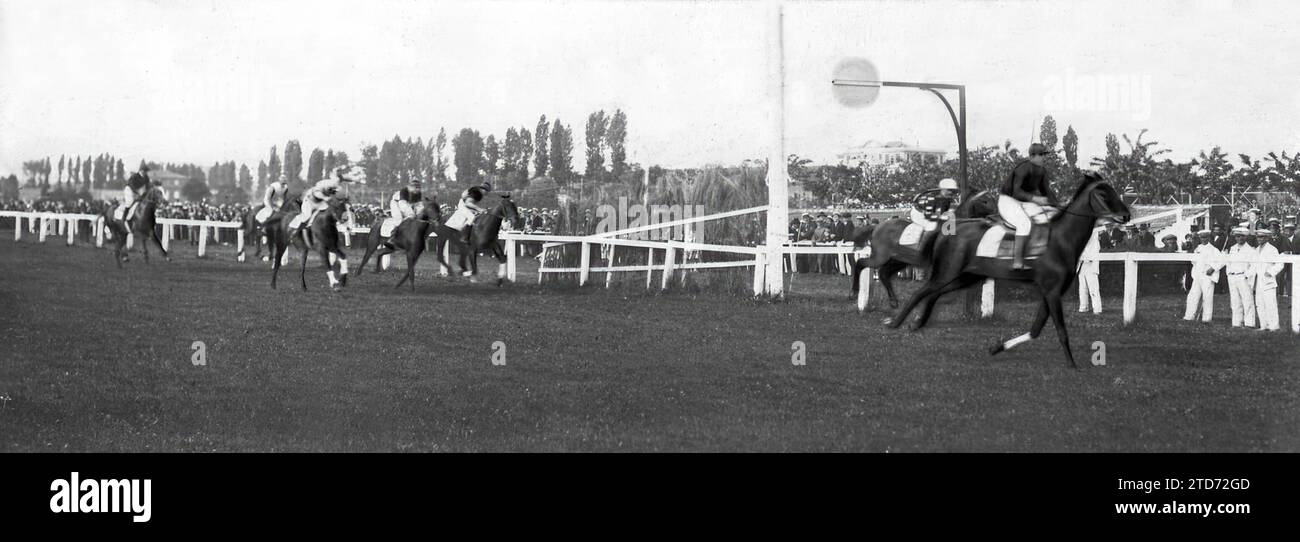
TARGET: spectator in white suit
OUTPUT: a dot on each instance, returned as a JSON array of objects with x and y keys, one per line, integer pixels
[
  {"x": 1265, "y": 275},
  {"x": 1205, "y": 274},
  {"x": 1240, "y": 292},
  {"x": 1089, "y": 269}
]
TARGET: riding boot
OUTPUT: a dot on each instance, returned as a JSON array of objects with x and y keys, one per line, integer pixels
[{"x": 1018, "y": 252}]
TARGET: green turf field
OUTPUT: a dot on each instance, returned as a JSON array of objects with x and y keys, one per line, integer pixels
[{"x": 99, "y": 359}]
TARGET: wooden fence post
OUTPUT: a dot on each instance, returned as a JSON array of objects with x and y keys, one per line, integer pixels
[
  {"x": 203, "y": 240},
  {"x": 864, "y": 288},
  {"x": 1130, "y": 288},
  {"x": 584, "y": 268},
  {"x": 1295, "y": 297},
  {"x": 759, "y": 273},
  {"x": 99, "y": 232},
  {"x": 609, "y": 264},
  {"x": 987, "y": 293},
  {"x": 512, "y": 259},
  {"x": 670, "y": 254}
]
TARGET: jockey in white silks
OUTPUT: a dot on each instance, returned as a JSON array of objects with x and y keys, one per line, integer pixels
[
  {"x": 274, "y": 197},
  {"x": 467, "y": 209},
  {"x": 135, "y": 189},
  {"x": 404, "y": 204},
  {"x": 1022, "y": 198},
  {"x": 316, "y": 198}
]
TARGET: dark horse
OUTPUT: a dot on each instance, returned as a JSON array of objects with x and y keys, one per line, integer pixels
[
  {"x": 956, "y": 266},
  {"x": 410, "y": 236},
  {"x": 888, "y": 258},
  {"x": 323, "y": 233},
  {"x": 483, "y": 237},
  {"x": 143, "y": 226}
]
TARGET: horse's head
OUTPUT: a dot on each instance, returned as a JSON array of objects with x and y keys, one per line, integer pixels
[
  {"x": 339, "y": 207},
  {"x": 510, "y": 212},
  {"x": 980, "y": 204},
  {"x": 432, "y": 212},
  {"x": 1101, "y": 199}
]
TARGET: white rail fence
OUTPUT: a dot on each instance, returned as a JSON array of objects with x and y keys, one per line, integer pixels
[{"x": 66, "y": 224}]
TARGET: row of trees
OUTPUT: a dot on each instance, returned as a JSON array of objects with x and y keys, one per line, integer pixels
[
  {"x": 102, "y": 171},
  {"x": 1137, "y": 167}
]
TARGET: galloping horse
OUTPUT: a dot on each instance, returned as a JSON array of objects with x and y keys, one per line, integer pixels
[
  {"x": 957, "y": 263},
  {"x": 409, "y": 236},
  {"x": 483, "y": 237},
  {"x": 142, "y": 225},
  {"x": 888, "y": 257},
  {"x": 323, "y": 235}
]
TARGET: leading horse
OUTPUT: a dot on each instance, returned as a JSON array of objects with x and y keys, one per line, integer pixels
[
  {"x": 888, "y": 257},
  {"x": 142, "y": 225},
  {"x": 956, "y": 264},
  {"x": 483, "y": 237}
]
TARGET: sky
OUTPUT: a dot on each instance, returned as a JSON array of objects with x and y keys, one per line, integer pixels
[{"x": 202, "y": 81}]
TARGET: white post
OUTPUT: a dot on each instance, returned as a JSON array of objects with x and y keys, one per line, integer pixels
[
  {"x": 72, "y": 230},
  {"x": 864, "y": 288},
  {"x": 540, "y": 266},
  {"x": 1130, "y": 288},
  {"x": 649, "y": 261},
  {"x": 778, "y": 210},
  {"x": 584, "y": 268},
  {"x": 203, "y": 240},
  {"x": 512, "y": 260},
  {"x": 99, "y": 232},
  {"x": 1295, "y": 293},
  {"x": 609, "y": 263},
  {"x": 18, "y": 228},
  {"x": 760, "y": 272},
  {"x": 239, "y": 241},
  {"x": 44, "y": 226},
  {"x": 670, "y": 254},
  {"x": 986, "y": 298},
  {"x": 167, "y": 237}
]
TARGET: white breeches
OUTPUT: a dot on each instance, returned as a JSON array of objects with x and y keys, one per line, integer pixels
[
  {"x": 1020, "y": 214},
  {"x": 919, "y": 218},
  {"x": 1266, "y": 304},
  {"x": 1089, "y": 291}
]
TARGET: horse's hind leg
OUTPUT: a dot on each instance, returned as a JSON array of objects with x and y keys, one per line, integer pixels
[
  {"x": 912, "y": 302},
  {"x": 302, "y": 274},
  {"x": 927, "y": 307},
  {"x": 157, "y": 240}
]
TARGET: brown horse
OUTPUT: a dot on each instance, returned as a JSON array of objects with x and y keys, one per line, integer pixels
[
  {"x": 483, "y": 238},
  {"x": 956, "y": 265},
  {"x": 888, "y": 257},
  {"x": 410, "y": 236},
  {"x": 323, "y": 235},
  {"x": 143, "y": 226}
]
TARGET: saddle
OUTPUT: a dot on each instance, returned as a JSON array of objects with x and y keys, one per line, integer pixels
[
  {"x": 390, "y": 225},
  {"x": 999, "y": 242}
]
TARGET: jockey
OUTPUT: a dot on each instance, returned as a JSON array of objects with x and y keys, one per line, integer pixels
[
  {"x": 931, "y": 207},
  {"x": 276, "y": 194},
  {"x": 316, "y": 199},
  {"x": 467, "y": 210},
  {"x": 1022, "y": 198},
  {"x": 136, "y": 187},
  {"x": 403, "y": 203}
]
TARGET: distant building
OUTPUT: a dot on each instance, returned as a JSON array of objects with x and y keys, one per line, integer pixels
[
  {"x": 172, "y": 182},
  {"x": 875, "y": 153}
]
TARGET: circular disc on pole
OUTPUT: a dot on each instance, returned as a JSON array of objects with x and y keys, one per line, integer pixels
[{"x": 855, "y": 82}]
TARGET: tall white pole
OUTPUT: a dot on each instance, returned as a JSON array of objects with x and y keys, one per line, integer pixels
[{"x": 778, "y": 211}]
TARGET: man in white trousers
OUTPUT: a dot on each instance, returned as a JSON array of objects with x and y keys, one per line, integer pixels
[
  {"x": 1089, "y": 269},
  {"x": 1265, "y": 275},
  {"x": 1205, "y": 274},
  {"x": 1240, "y": 255}
]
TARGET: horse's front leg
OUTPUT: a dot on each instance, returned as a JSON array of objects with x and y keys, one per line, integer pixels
[
  {"x": 1058, "y": 318},
  {"x": 1034, "y": 330}
]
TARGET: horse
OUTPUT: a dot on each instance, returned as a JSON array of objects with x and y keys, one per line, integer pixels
[
  {"x": 888, "y": 257},
  {"x": 956, "y": 264},
  {"x": 143, "y": 226},
  {"x": 483, "y": 237},
  {"x": 410, "y": 236},
  {"x": 322, "y": 234}
]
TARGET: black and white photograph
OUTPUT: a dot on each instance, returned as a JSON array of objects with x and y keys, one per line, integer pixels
[{"x": 934, "y": 226}]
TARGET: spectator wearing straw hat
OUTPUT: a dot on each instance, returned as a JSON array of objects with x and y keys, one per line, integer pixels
[
  {"x": 1264, "y": 273},
  {"x": 1206, "y": 264},
  {"x": 1240, "y": 291}
]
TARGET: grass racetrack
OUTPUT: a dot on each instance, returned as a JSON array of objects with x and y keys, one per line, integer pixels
[{"x": 99, "y": 359}]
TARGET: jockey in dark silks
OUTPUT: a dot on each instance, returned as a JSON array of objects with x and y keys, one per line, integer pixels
[
  {"x": 1022, "y": 198},
  {"x": 931, "y": 207},
  {"x": 468, "y": 209},
  {"x": 136, "y": 187}
]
